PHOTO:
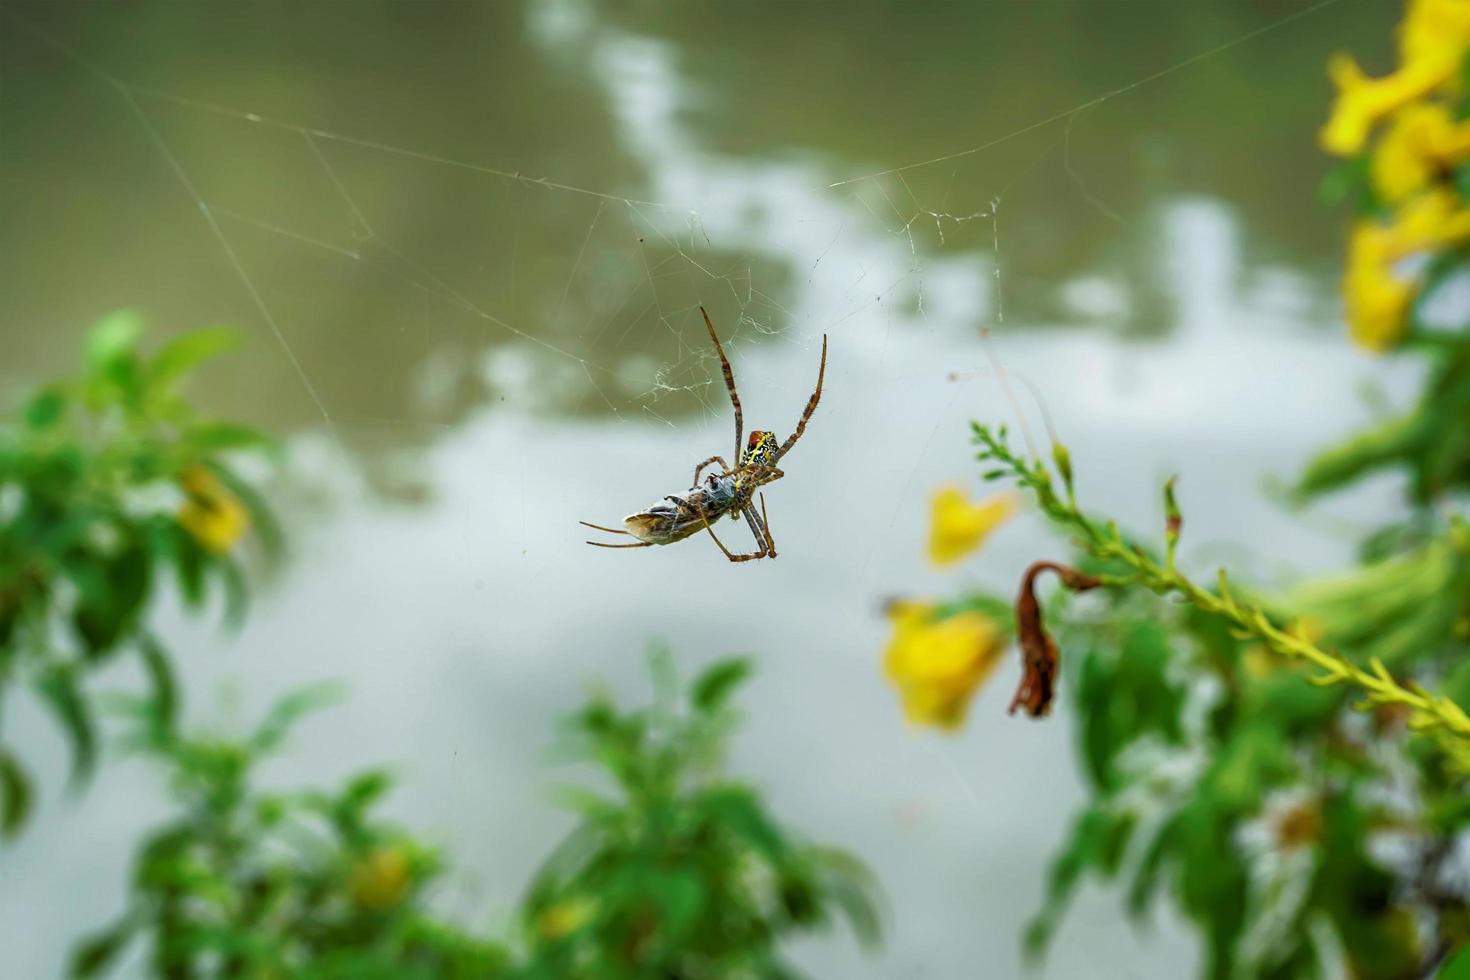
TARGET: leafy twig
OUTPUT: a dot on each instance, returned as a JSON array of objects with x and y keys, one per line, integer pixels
[{"x": 1428, "y": 712}]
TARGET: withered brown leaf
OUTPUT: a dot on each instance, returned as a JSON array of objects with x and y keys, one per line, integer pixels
[{"x": 1038, "y": 649}]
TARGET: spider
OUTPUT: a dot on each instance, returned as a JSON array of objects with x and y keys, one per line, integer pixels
[{"x": 729, "y": 492}]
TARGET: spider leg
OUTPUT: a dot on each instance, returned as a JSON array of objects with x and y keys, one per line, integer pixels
[
  {"x": 761, "y": 475},
  {"x": 729, "y": 383},
  {"x": 811, "y": 405},
  {"x": 759, "y": 530},
  {"x": 721, "y": 545},
  {"x": 766, "y": 523},
  {"x": 700, "y": 468},
  {"x": 640, "y": 544}
]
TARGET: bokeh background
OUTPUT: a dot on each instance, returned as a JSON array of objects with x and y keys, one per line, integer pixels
[{"x": 468, "y": 242}]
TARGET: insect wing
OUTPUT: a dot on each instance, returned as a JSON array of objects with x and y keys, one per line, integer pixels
[
  {"x": 655, "y": 527},
  {"x": 667, "y": 521}
]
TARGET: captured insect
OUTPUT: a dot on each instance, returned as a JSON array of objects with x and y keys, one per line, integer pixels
[
  {"x": 676, "y": 516},
  {"x": 731, "y": 491}
]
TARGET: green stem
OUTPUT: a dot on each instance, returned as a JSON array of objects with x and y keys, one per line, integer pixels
[{"x": 1431, "y": 713}]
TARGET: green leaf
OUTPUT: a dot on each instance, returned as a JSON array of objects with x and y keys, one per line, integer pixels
[
  {"x": 44, "y": 409},
  {"x": 15, "y": 795},
  {"x": 1150, "y": 866},
  {"x": 58, "y": 689},
  {"x": 1345, "y": 178},
  {"x": 1458, "y": 967},
  {"x": 290, "y": 709},
  {"x": 713, "y": 687},
  {"x": 267, "y": 529},
  {"x": 738, "y": 811},
  {"x": 679, "y": 895},
  {"x": 113, "y": 339},
  {"x": 189, "y": 560},
  {"x": 165, "y": 701},
  {"x": 183, "y": 354},
  {"x": 237, "y": 597},
  {"x": 590, "y": 804},
  {"x": 103, "y": 621},
  {"x": 362, "y": 792},
  {"x": 567, "y": 858},
  {"x": 218, "y": 437},
  {"x": 96, "y": 953},
  {"x": 1001, "y": 612},
  {"x": 1093, "y": 844},
  {"x": 1364, "y": 452},
  {"x": 850, "y": 884}
]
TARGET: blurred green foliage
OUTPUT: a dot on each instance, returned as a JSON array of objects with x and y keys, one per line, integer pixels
[
  {"x": 1258, "y": 803},
  {"x": 1227, "y": 769},
  {"x": 1226, "y": 766},
  {"x": 244, "y": 882},
  {"x": 1405, "y": 177},
  {"x": 683, "y": 873},
  {"x": 106, "y": 481},
  {"x": 1429, "y": 444}
]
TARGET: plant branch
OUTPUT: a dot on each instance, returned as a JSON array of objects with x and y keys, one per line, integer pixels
[{"x": 1430, "y": 713}]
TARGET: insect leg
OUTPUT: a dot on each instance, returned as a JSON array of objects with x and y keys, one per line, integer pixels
[{"x": 599, "y": 527}]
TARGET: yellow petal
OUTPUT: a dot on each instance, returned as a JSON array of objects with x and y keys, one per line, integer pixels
[
  {"x": 1376, "y": 295},
  {"x": 1431, "y": 220},
  {"x": 1405, "y": 160},
  {"x": 210, "y": 513},
  {"x": 1436, "y": 31},
  {"x": 1362, "y": 101},
  {"x": 1377, "y": 300},
  {"x": 381, "y": 878},
  {"x": 957, "y": 527},
  {"x": 565, "y": 917},
  {"x": 938, "y": 665}
]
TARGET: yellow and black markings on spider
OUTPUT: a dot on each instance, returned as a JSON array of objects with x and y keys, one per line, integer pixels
[{"x": 730, "y": 491}]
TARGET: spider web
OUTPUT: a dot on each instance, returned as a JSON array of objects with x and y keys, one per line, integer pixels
[
  {"x": 652, "y": 260},
  {"x": 559, "y": 294}
]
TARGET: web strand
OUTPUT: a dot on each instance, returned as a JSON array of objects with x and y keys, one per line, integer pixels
[
  {"x": 1099, "y": 100},
  {"x": 234, "y": 259},
  {"x": 680, "y": 230}
]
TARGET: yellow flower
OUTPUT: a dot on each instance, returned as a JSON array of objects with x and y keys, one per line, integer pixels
[
  {"x": 1420, "y": 144},
  {"x": 1377, "y": 300},
  {"x": 938, "y": 665},
  {"x": 1363, "y": 101},
  {"x": 565, "y": 917},
  {"x": 1433, "y": 39},
  {"x": 1432, "y": 220},
  {"x": 1376, "y": 296},
  {"x": 212, "y": 514},
  {"x": 1435, "y": 31},
  {"x": 957, "y": 527},
  {"x": 380, "y": 879}
]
